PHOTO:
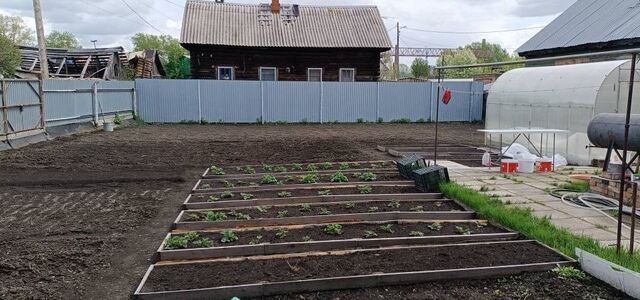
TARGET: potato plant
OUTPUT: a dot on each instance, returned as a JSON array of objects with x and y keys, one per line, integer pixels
[
  {"x": 373, "y": 209},
  {"x": 324, "y": 192},
  {"x": 324, "y": 211},
  {"x": 267, "y": 168},
  {"x": 344, "y": 166},
  {"x": 435, "y": 226},
  {"x": 247, "y": 196},
  {"x": 226, "y": 195},
  {"x": 350, "y": 205},
  {"x": 228, "y": 236},
  {"x": 213, "y": 198},
  {"x": 239, "y": 215},
  {"x": 312, "y": 167},
  {"x": 305, "y": 208},
  {"x": 280, "y": 169},
  {"x": 463, "y": 230},
  {"x": 416, "y": 233},
  {"x": 284, "y": 194},
  {"x": 282, "y": 214},
  {"x": 297, "y": 167},
  {"x": 262, "y": 209},
  {"x": 309, "y": 178},
  {"x": 325, "y": 166},
  {"x": 333, "y": 229},
  {"x": 256, "y": 240},
  {"x": 394, "y": 204},
  {"x": 369, "y": 234},
  {"x": 214, "y": 216},
  {"x": 269, "y": 179},
  {"x": 203, "y": 243},
  {"x": 228, "y": 184},
  {"x": 281, "y": 233},
  {"x": 307, "y": 238},
  {"x": 365, "y": 189},
  {"x": 418, "y": 208},
  {"x": 387, "y": 228},
  {"x": 368, "y": 176},
  {"x": 180, "y": 241},
  {"x": 339, "y": 177},
  {"x": 216, "y": 170},
  {"x": 248, "y": 170}
]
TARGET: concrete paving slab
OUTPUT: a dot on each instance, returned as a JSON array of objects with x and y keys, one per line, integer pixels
[
  {"x": 552, "y": 214},
  {"x": 573, "y": 224}
]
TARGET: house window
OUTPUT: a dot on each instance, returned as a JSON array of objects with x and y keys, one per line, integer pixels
[
  {"x": 268, "y": 74},
  {"x": 347, "y": 75},
  {"x": 314, "y": 74},
  {"x": 225, "y": 73}
]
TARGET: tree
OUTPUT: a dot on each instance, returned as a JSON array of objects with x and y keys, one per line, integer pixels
[
  {"x": 494, "y": 52},
  {"x": 420, "y": 68},
  {"x": 9, "y": 57},
  {"x": 170, "y": 50},
  {"x": 459, "y": 57},
  {"x": 14, "y": 29},
  {"x": 66, "y": 40}
]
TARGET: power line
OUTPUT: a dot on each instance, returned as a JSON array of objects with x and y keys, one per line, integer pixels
[
  {"x": 110, "y": 12},
  {"x": 475, "y": 32},
  {"x": 140, "y": 16},
  {"x": 158, "y": 11}
]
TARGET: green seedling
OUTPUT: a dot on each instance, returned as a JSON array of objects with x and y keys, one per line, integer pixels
[
  {"x": 281, "y": 233},
  {"x": 226, "y": 195},
  {"x": 373, "y": 209},
  {"x": 214, "y": 216},
  {"x": 324, "y": 192},
  {"x": 394, "y": 204},
  {"x": 282, "y": 214},
  {"x": 228, "y": 236},
  {"x": 307, "y": 238},
  {"x": 324, "y": 212},
  {"x": 325, "y": 166},
  {"x": 435, "y": 226},
  {"x": 256, "y": 240},
  {"x": 569, "y": 273},
  {"x": 416, "y": 233},
  {"x": 376, "y": 166},
  {"x": 180, "y": 241},
  {"x": 280, "y": 169},
  {"x": 228, "y": 184},
  {"x": 267, "y": 168},
  {"x": 368, "y": 176},
  {"x": 249, "y": 170},
  {"x": 312, "y": 167},
  {"x": 418, "y": 208},
  {"x": 463, "y": 230},
  {"x": 239, "y": 215},
  {"x": 344, "y": 166},
  {"x": 350, "y": 205},
  {"x": 333, "y": 229},
  {"x": 262, "y": 209},
  {"x": 369, "y": 234},
  {"x": 365, "y": 189},
  {"x": 339, "y": 177},
  {"x": 297, "y": 167},
  {"x": 309, "y": 178},
  {"x": 216, "y": 170},
  {"x": 213, "y": 198},
  {"x": 387, "y": 228},
  {"x": 284, "y": 194},
  {"x": 269, "y": 179},
  {"x": 305, "y": 208},
  {"x": 356, "y": 175},
  {"x": 203, "y": 243},
  {"x": 247, "y": 196},
  {"x": 355, "y": 165}
]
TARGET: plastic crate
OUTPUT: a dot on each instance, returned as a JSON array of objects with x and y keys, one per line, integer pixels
[
  {"x": 408, "y": 164},
  {"x": 429, "y": 179}
]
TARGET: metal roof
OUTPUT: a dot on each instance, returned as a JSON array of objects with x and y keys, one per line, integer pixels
[
  {"x": 588, "y": 22},
  {"x": 246, "y": 25}
]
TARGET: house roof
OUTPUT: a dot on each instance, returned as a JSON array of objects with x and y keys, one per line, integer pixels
[
  {"x": 589, "y": 22},
  {"x": 248, "y": 25}
]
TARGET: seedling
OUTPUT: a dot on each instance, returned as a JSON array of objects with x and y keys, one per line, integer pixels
[
  {"x": 181, "y": 241},
  {"x": 239, "y": 215},
  {"x": 369, "y": 234},
  {"x": 309, "y": 178},
  {"x": 267, "y": 168},
  {"x": 368, "y": 176},
  {"x": 416, "y": 233},
  {"x": 312, "y": 167},
  {"x": 435, "y": 227},
  {"x": 284, "y": 194},
  {"x": 228, "y": 184},
  {"x": 324, "y": 211},
  {"x": 324, "y": 192},
  {"x": 256, "y": 240},
  {"x": 325, "y": 166},
  {"x": 376, "y": 166},
  {"x": 365, "y": 189},
  {"x": 307, "y": 238},
  {"x": 203, "y": 243},
  {"x": 356, "y": 175},
  {"x": 262, "y": 209},
  {"x": 226, "y": 195},
  {"x": 569, "y": 273},
  {"x": 213, "y": 198},
  {"x": 339, "y": 177},
  {"x": 333, "y": 229},
  {"x": 215, "y": 216},
  {"x": 394, "y": 204},
  {"x": 355, "y": 165},
  {"x": 305, "y": 208},
  {"x": 269, "y": 179},
  {"x": 418, "y": 208},
  {"x": 373, "y": 209},
  {"x": 281, "y": 233},
  {"x": 344, "y": 166},
  {"x": 387, "y": 228},
  {"x": 350, "y": 205},
  {"x": 194, "y": 217},
  {"x": 289, "y": 178},
  {"x": 282, "y": 214},
  {"x": 463, "y": 230},
  {"x": 280, "y": 169},
  {"x": 216, "y": 170},
  {"x": 249, "y": 170},
  {"x": 247, "y": 196},
  {"x": 228, "y": 236},
  {"x": 296, "y": 167}
]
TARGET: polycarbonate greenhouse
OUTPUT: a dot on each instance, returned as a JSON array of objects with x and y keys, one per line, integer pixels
[{"x": 561, "y": 97}]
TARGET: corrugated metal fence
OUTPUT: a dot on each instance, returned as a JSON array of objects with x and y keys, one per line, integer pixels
[{"x": 172, "y": 101}]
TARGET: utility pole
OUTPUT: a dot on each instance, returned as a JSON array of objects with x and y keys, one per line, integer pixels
[
  {"x": 42, "y": 50},
  {"x": 397, "y": 59}
]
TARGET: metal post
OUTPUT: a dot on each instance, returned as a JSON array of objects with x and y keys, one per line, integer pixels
[
  {"x": 632, "y": 238},
  {"x": 377, "y": 101},
  {"x": 435, "y": 148},
  {"x": 94, "y": 97},
  {"x": 262, "y": 101},
  {"x": 396, "y": 70},
  {"x": 624, "y": 151},
  {"x": 321, "y": 100},
  {"x": 134, "y": 95},
  {"x": 199, "y": 104}
]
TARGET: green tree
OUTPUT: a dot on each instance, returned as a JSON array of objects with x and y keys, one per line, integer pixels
[
  {"x": 488, "y": 52},
  {"x": 66, "y": 40},
  {"x": 405, "y": 71},
  {"x": 420, "y": 68},
  {"x": 9, "y": 56},
  {"x": 14, "y": 29},
  {"x": 459, "y": 57},
  {"x": 171, "y": 52}
]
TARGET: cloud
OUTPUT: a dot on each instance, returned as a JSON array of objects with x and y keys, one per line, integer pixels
[{"x": 538, "y": 8}]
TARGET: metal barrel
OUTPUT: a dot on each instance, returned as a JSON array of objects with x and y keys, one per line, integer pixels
[{"x": 605, "y": 128}]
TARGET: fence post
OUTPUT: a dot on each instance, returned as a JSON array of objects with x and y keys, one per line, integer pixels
[
  {"x": 134, "y": 100},
  {"x": 471, "y": 97},
  {"x": 199, "y": 103},
  {"x": 321, "y": 99},
  {"x": 5, "y": 102},
  {"x": 262, "y": 102},
  {"x": 94, "y": 97},
  {"x": 377, "y": 101}
]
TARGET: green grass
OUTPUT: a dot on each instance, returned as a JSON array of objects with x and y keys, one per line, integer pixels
[
  {"x": 536, "y": 228},
  {"x": 578, "y": 187}
]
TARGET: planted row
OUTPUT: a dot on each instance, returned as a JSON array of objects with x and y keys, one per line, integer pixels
[
  {"x": 327, "y": 232},
  {"x": 296, "y": 167}
]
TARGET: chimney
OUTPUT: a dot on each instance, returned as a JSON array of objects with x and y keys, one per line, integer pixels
[{"x": 275, "y": 6}]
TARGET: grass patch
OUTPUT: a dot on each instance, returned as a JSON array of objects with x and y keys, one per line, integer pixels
[
  {"x": 536, "y": 228},
  {"x": 578, "y": 187}
]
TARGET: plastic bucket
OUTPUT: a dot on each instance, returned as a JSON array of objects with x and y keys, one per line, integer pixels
[
  {"x": 108, "y": 127},
  {"x": 545, "y": 165},
  {"x": 526, "y": 165},
  {"x": 508, "y": 166}
]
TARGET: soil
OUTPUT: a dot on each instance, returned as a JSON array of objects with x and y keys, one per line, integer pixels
[
  {"x": 267, "y": 212},
  {"x": 270, "y": 194},
  {"x": 293, "y": 180},
  {"x": 228, "y": 273},
  {"x": 545, "y": 285},
  {"x": 349, "y": 231},
  {"x": 83, "y": 215},
  {"x": 271, "y": 169}
]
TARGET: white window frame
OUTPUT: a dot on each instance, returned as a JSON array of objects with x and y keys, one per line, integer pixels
[
  {"x": 268, "y": 68},
  {"x": 314, "y": 69},
  {"x": 353, "y": 71},
  {"x": 233, "y": 72}
]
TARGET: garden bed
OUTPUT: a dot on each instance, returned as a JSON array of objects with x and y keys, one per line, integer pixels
[
  {"x": 271, "y": 275},
  {"x": 298, "y": 168}
]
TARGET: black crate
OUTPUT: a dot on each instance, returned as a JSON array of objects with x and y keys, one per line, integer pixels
[
  {"x": 429, "y": 179},
  {"x": 408, "y": 164}
]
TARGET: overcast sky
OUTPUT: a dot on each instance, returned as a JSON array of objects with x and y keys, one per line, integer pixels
[{"x": 112, "y": 23}]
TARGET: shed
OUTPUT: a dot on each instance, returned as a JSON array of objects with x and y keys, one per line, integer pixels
[{"x": 561, "y": 97}]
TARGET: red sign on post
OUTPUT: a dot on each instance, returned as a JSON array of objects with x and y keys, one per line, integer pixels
[{"x": 446, "y": 97}]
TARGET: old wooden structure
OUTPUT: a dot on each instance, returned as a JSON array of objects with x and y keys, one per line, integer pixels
[
  {"x": 284, "y": 42},
  {"x": 146, "y": 64},
  {"x": 101, "y": 63}
]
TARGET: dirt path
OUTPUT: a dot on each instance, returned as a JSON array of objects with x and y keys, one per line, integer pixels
[{"x": 82, "y": 215}]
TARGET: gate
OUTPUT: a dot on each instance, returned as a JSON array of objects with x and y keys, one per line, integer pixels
[{"x": 22, "y": 108}]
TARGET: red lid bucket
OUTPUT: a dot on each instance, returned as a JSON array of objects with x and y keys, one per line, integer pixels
[{"x": 508, "y": 166}]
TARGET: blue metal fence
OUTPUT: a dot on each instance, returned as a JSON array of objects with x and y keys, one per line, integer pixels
[{"x": 172, "y": 101}]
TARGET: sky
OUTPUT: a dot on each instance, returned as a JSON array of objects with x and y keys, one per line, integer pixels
[{"x": 112, "y": 23}]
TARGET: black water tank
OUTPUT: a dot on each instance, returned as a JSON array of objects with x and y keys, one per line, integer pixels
[{"x": 606, "y": 127}]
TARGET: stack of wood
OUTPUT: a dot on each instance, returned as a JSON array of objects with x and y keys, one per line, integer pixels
[{"x": 608, "y": 184}]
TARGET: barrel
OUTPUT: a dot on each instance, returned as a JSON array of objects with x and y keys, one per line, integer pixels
[{"x": 604, "y": 128}]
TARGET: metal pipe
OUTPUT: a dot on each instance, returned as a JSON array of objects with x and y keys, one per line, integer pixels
[
  {"x": 632, "y": 238},
  {"x": 435, "y": 147},
  {"x": 624, "y": 151}
]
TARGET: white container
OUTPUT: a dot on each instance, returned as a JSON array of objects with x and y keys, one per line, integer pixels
[
  {"x": 108, "y": 127},
  {"x": 526, "y": 165}
]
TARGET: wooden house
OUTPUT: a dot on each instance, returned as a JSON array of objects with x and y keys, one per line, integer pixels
[{"x": 273, "y": 42}]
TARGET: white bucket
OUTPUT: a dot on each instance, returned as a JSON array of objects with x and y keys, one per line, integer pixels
[
  {"x": 108, "y": 127},
  {"x": 526, "y": 165}
]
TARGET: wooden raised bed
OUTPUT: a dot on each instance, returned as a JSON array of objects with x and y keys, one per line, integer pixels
[
  {"x": 283, "y": 274},
  {"x": 259, "y": 169}
]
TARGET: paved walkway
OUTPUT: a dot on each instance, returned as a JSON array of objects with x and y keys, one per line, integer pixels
[{"x": 531, "y": 191}]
